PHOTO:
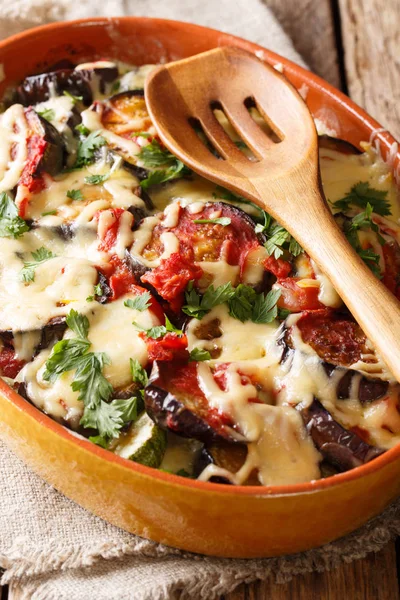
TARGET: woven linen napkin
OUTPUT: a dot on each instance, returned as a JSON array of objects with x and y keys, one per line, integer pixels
[{"x": 54, "y": 549}]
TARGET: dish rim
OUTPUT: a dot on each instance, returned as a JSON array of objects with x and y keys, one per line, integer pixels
[{"x": 47, "y": 422}]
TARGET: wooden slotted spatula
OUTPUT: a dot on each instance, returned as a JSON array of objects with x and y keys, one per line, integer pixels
[{"x": 285, "y": 179}]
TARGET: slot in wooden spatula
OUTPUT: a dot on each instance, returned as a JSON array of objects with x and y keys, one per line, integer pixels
[{"x": 284, "y": 179}]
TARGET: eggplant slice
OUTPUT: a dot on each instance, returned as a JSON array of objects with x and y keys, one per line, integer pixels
[
  {"x": 332, "y": 143},
  {"x": 46, "y": 148},
  {"x": 339, "y": 342},
  {"x": 39, "y": 88},
  {"x": 340, "y": 447},
  {"x": 227, "y": 456},
  {"x": 174, "y": 401}
]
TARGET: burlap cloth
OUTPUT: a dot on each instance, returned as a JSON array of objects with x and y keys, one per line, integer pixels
[{"x": 53, "y": 548}]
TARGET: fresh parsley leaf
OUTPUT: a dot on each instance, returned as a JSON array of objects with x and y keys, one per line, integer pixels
[
  {"x": 90, "y": 299},
  {"x": 265, "y": 225},
  {"x": 241, "y": 303},
  {"x": 351, "y": 228},
  {"x": 199, "y": 354},
  {"x": 105, "y": 417},
  {"x": 87, "y": 147},
  {"x": 283, "y": 313},
  {"x": 371, "y": 259},
  {"x": 197, "y": 306},
  {"x": 75, "y": 99},
  {"x": 171, "y": 327},
  {"x": 64, "y": 357},
  {"x": 49, "y": 212},
  {"x": 153, "y": 155},
  {"x": 224, "y": 221},
  {"x": 47, "y": 113},
  {"x": 362, "y": 194},
  {"x": 96, "y": 179},
  {"x": 154, "y": 332},
  {"x": 278, "y": 237},
  {"x": 100, "y": 440},
  {"x": 364, "y": 219},
  {"x": 78, "y": 323},
  {"x": 129, "y": 408},
  {"x": 75, "y": 194},
  {"x": 140, "y": 303},
  {"x": 89, "y": 380},
  {"x": 82, "y": 129},
  {"x": 115, "y": 87},
  {"x": 39, "y": 256},
  {"x": 161, "y": 176},
  {"x": 142, "y": 134},
  {"x": 98, "y": 290},
  {"x": 138, "y": 373},
  {"x": 11, "y": 224},
  {"x": 264, "y": 308},
  {"x": 168, "y": 166}
]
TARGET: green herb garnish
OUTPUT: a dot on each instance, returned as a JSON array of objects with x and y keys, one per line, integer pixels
[
  {"x": 168, "y": 166},
  {"x": 139, "y": 303},
  {"x": 75, "y": 194},
  {"x": 362, "y": 194},
  {"x": 39, "y": 256},
  {"x": 11, "y": 224},
  {"x": 96, "y": 179},
  {"x": 47, "y": 113},
  {"x": 75, "y": 99},
  {"x": 224, "y": 221},
  {"x": 199, "y": 354}
]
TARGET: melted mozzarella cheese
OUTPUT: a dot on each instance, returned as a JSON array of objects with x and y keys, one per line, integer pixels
[
  {"x": 110, "y": 331},
  {"x": 60, "y": 284},
  {"x": 128, "y": 148}
]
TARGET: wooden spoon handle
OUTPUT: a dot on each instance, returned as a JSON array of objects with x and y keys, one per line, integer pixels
[{"x": 374, "y": 307}]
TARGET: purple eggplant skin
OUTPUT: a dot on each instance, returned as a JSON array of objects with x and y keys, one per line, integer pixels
[
  {"x": 172, "y": 414},
  {"x": 38, "y": 88},
  {"x": 202, "y": 461},
  {"x": 332, "y": 143},
  {"x": 340, "y": 447},
  {"x": 52, "y": 332},
  {"x": 369, "y": 389},
  {"x": 54, "y": 155}
]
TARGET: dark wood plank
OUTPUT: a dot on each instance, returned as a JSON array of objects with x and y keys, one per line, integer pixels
[
  {"x": 310, "y": 25},
  {"x": 373, "y": 578},
  {"x": 371, "y": 40}
]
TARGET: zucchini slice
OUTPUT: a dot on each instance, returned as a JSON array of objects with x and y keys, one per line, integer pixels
[{"x": 144, "y": 443}]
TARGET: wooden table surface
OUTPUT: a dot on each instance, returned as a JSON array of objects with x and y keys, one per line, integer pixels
[{"x": 355, "y": 45}]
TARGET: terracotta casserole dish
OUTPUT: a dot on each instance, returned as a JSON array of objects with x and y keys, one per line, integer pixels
[{"x": 214, "y": 519}]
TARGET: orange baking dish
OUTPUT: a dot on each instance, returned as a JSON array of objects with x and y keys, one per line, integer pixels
[{"x": 215, "y": 519}]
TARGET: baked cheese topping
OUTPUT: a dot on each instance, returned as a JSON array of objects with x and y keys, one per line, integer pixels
[{"x": 128, "y": 284}]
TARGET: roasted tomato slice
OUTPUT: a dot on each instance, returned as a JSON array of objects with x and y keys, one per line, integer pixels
[
  {"x": 174, "y": 401},
  {"x": 339, "y": 342},
  {"x": 341, "y": 447},
  {"x": 296, "y": 298},
  {"x": 9, "y": 365},
  {"x": 335, "y": 337},
  {"x": 171, "y": 278},
  {"x": 168, "y": 348},
  {"x": 46, "y": 152},
  {"x": 200, "y": 239}
]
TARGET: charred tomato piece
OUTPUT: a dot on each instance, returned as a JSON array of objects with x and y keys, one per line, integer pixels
[
  {"x": 174, "y": 400},
  {"x": 334, "y": 336},
  {"x": 219, "y": 232},
  {"x": 38, "y": 88},
  {"x": 340, "y": 447},
  {"x": 10, "y": 366},
  {"x": 46, "y": 153},
  {"x": 339, "y": 342},
  {"x": 296, "y": 298}
]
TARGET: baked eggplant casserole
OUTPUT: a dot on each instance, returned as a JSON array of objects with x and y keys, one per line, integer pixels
[{"x": 165, "y": 318}]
